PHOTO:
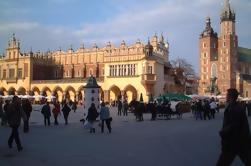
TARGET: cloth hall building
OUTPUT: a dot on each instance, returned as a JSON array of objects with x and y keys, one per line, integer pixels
[{"x": 120, "y": 71}]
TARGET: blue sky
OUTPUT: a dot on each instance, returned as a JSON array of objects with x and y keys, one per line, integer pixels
[{"x": 50, "y": 24}]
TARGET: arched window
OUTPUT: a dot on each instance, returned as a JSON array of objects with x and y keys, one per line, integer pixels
[{"x": 213, "y": 70}]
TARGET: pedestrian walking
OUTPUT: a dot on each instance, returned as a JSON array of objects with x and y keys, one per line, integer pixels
[
  {"x": 119, "y": 103},
  {"x": 66, "y": 111},
  {"x": 92, "y": 116},
  {"x": 27, "y": 107},
  {"x": 46, "y": 111},
  {"x": 105, "y": 117},
  {"x": 235, "y": 134},
  {"x": 125, "y": 108},
  {"x": 14, "y": 114},
  {"x": 56, "y": 112}
]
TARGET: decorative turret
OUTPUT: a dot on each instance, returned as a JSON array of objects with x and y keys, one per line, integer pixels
[
  {"x": 13, "y": 49},
  {"x": 149, "y": 48},
  {"x": 161, "y": 39},
  {"x": 95, "y": 46},
  {"x": 227, "y": 14},
  {"x": 208, "y": 31},
  {"x": 123, "y": 44},
  {"x": 108, "y": 45},
  {"x": 154, "y": 39}
]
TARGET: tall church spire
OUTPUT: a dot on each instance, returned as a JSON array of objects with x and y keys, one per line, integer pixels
[{"x": 227, "y": 14}]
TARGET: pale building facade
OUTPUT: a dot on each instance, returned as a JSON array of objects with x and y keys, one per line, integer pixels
[
  {"x": 124, "y": 71},
  {"x": 223, "y": 64}
]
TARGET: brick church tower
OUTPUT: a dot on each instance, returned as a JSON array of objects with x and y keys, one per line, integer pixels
[{"x": 218, "y": 54}]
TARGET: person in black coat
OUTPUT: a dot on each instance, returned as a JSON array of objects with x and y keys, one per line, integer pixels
[
  {"x": 91, "y": 117},
  {"x": 66, "y": 110},
  {"x": 235, "y": 134},
  {"x": 14, "y": 113},
  {"x": 26, "y": 105},
  {"x": 46, "y": 111},
  {"x": 119, "y": 102}
]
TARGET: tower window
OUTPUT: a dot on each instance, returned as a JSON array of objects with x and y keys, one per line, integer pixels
[
  {"x": 205, "y": 55},
  {"x": 224, "y": 44},
  {"x": 204, "y": 45},
  {"x": 19, "y": 73}
]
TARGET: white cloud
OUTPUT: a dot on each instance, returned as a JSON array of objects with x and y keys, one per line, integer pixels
[
  {"x": 180, "y": 20},
  {"x": 16, "y": 26}
]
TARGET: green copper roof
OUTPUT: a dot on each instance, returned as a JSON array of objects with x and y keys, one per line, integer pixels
[{"x": 244, "y": 54}]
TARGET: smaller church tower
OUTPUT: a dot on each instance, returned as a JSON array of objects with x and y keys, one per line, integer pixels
[
  {"x": 208, "y": 45},
  {"x": 91, "y": 94}
]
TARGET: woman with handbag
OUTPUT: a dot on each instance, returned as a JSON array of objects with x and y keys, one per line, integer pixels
[{"x": 105, "y": 117}]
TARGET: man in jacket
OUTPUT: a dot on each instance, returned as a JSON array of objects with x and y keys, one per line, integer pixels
[
  {"x": 46, "y": 111},
  {"x": 235, "y": 134},
  {"x": 105, "y": 117},
  {"x": 14, "y": 114}
]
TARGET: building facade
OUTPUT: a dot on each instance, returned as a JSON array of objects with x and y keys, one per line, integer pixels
[
  {"x": 223, "y": 64},
  {"x": 124, "y": 71}
]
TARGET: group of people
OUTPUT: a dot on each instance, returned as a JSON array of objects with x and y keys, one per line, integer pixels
[
  {"x": 104, "y": 116},
  {"x": 204, "y": 109},
  {"x": 54, "y": 108},
  {"x": 235, "y": 132},
  {"x": 11, "y": 114}
]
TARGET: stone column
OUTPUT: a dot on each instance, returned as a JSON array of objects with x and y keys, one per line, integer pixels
[
  {"x": 76, "y": 96},
  {"x": 122, "y": 95}
]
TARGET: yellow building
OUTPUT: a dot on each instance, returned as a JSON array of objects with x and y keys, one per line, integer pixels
[{"x": 124, "y": 71}]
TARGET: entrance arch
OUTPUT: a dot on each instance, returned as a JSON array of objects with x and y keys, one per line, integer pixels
[
  {"x": 70, "y": 93},
  {"x": 115, "y": 93},
  {"x": 3, "y": 91},
  {"x": 130, "y": 93},
  {"x": 58, "y": 93},
  {"x": 21, "y": 91},
  {"x": 36, "y": 91},
  {"x": 80, "y": 93},
  {"x": 12, "y": 91},
  {"x": 46, "y": 91}
]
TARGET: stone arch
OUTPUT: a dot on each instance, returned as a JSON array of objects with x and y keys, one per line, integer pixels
[
  {"x": 45, "y": 91},
  {"x": 58, "y": 93},
  {"x": 81, "y": 93},
  {"x": 35, "y": 91},
  {"x": 115, "y": 93},
  {"x": 21, "y": 91},
  {"x": 3, "y": 91},
  {"x": 11, "y": 91},
  {"x": 69, "y": 93},
  {"x": 130, "y": 92}
]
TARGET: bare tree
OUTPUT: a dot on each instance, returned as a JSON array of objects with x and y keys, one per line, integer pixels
[
  {"x": 183, "y": 70},
  {"x": 184, "y": 65}
]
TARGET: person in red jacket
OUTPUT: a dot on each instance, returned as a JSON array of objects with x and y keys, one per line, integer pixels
[{"x": 56, "y": 111}]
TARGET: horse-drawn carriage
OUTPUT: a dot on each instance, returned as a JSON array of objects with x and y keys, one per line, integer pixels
[{"x": 172, "y": 109}]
